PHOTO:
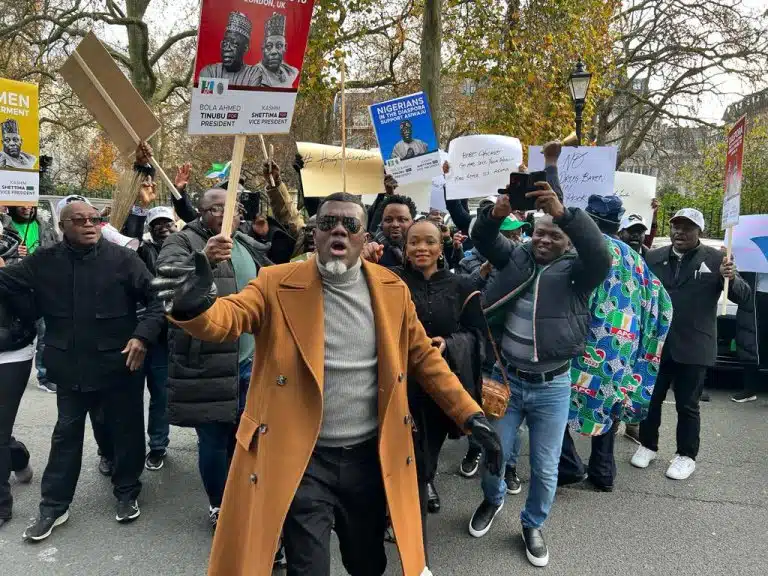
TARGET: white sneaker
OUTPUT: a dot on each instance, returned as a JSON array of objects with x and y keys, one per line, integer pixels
[
  {"x": 643, "y": 457},
  {"x": 681, "y": 467}
]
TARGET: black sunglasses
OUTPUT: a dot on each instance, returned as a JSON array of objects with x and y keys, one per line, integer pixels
[
  {"x": 350, "y": 223},
  {"x": 95, "y": 220}
]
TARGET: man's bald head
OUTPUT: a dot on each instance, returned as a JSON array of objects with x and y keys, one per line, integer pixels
[
  {"x": 80, "y": 225},
  {"x": 212, "y": 204}
]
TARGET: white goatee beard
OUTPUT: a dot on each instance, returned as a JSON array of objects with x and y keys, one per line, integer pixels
[{"x": 335, "y": 267}]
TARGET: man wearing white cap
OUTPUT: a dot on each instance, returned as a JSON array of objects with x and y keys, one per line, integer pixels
[
  {"x": 632, "y": 230},
  {"x": 694, "y": 275}
]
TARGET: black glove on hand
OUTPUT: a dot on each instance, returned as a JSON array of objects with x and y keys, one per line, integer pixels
[
  {"x": 186, "y": 289},
  {"x": 486, "y": 436}
]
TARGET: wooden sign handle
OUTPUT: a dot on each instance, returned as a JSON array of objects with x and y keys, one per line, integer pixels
[
  {"x": 238, "y": 152},
  {"x": 728, "y": 254},
  {"x": 128, "y": 128},
  {"x": 267, "y": 159}
]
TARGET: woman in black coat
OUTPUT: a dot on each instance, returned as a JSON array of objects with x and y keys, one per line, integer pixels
[{"x": 449, "y": 309}]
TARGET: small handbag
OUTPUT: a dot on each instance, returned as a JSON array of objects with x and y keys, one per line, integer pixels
[{"x": 495, "y": 394}]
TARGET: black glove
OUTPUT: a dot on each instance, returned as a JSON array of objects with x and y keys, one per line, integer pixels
[
  {"x": 187, "y": 288},
  {"x": 486, "y": 436}
]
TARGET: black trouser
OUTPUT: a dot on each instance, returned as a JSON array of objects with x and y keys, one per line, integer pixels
[
  {"x": 341, "y": 489},
  {"x": 602, "y": 464},
  {"x": 123, "y": 410},
  {"x": 688, "y": 380},
  {"x": 13, "y": 454}
]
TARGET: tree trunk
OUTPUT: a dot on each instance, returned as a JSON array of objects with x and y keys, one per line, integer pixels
[
  {"x": 142, "y": 76},
  {"x": 431, "y": 41}
]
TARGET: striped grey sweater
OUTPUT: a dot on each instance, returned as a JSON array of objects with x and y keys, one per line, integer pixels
[{"x": 350, "y": 394}]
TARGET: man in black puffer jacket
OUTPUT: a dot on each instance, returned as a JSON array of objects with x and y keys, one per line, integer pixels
[{"x": 207, "y": 382}]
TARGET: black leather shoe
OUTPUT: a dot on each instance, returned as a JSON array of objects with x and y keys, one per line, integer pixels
[
  {"x": 568, "y": 480},
  {"x": 535, "y": 547},
  {"x": 483, "y": 517},
  {"x": 433, "y": 499},
  {"x": 599, "y": 486}
]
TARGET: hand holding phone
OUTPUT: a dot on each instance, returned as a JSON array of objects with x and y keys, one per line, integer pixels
[{"x": 520, "y": 184}]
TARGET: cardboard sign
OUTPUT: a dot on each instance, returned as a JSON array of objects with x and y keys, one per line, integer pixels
[
  {"x": 248, "y": 65},
  {"x": 636, "y": 192},
  {"x": 733, "y": 174},
  {"x": 750, "y": 243},
  {"x": 321, "y": 174},
  {"x": 480, "y": 165},
  {"x": 406, "y": 136},
  {"x": 95, "y": 78},
  {"x": 19, "y": 158},
  {"x": 583, "y": 171}
]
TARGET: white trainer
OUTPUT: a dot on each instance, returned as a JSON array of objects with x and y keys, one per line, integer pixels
[
  {"x": 642, "y": 457},
  {"x": 681, "y": 467}
]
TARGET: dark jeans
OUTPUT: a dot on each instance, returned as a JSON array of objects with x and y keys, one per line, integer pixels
[
  {"x": 156, "y": 371},
  {"x": 602, "y": 464},
  {"x": 216, "y": 444},
  {"x": 39, "y": 347},
  {"x": 13, "y": 454},
  {"x": 688, "y": 380},
  {"x": 341, "y": 490},
  {"x": 122, "y": 406}
]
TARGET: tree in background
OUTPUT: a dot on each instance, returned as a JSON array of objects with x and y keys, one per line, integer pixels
[{"x": 102, "y": 160}]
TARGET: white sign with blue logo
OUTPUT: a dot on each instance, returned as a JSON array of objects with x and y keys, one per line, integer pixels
[{"x": 406, "y": 136}]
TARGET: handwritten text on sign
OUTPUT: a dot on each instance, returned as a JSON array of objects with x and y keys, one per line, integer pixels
[
  {"x": 322, "y": 174},
  {"x": 481, "y": 164},
  {"x": 583, "y": 171}
]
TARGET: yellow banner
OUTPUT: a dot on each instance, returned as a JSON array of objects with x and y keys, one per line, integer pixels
[
  {"x": 19, "y": 123},
  {"x": 321, "y": 175}
]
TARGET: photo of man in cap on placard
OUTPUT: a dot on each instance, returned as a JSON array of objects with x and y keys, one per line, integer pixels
[
  {"x": 234, "y": 46},
  {"x": 12, "y": 155},
  {"x": 272, "y": 71}
]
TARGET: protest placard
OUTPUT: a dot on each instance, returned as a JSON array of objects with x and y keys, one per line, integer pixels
[
  {"x": 322, "y": 174},
  {"x": 480, "y": 165},
  {"x": 750, "y": 243},
  {"x": 19, "y": 159},
  {"x": 733, "y": 174},
  {"x": 248, "y": 65},
  {"x": 406, "y": 137},
  {"x": 583, "y": 171},
  {"x": 636, "y": 192}
]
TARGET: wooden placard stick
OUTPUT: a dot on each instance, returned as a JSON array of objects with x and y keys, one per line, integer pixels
[
  {"x": 728, "y": 254},
  {"x": 238, "y": 152},
  {"x": 267, "y": 159},
  {"x": 128, "y": 128},
  {"x": 343, "y": 133}
]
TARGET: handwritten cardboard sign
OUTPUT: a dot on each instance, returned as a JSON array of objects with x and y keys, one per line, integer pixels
[
  {"x": 481, "y": 164},
  {"x": 321, "y": 175},
  {"x": 583, "y": 171}
]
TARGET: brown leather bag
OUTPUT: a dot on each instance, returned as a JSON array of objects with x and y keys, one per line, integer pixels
[{"x": 495, "y": 394}]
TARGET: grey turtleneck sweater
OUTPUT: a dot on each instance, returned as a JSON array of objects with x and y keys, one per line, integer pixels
[{"x": 350, "y": 391}]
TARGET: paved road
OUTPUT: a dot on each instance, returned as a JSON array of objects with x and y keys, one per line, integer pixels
[{"x": 715, "y": 523}]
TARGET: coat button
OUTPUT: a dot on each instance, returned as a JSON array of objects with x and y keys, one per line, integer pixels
[
  {"x": 400, "y": 377},
  {"x": 253, "y": 478},
  {"x": 405, "y": 420},
  {"x": 408, "y": 460},
  {"x": 281, "y": 380},
  {"x": 263, "y": 428}
]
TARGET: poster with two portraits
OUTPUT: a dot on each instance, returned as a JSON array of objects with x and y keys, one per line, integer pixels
[{"x": 248, "y": 65}]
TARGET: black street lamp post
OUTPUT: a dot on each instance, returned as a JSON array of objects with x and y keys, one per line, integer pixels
[{"x": 579, "y": 83}]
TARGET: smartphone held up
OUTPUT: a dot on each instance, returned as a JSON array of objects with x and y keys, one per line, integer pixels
[{"x": 520, "y": 184}]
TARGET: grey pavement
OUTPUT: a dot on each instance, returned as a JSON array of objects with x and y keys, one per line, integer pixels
[{"x": 715, "y": 523}]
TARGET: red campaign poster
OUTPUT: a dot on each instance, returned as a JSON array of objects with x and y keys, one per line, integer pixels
[
  {"x": 248, "y": 65},
  {"x": 733, "y": 174}
]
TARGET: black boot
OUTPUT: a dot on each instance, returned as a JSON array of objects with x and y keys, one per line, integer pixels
[{"x": 433, "y": 499}]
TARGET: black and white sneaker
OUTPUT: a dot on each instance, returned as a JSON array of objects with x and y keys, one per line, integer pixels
[
  {"x": 280, "y": 560},
  {"x": 471, "y": 462},
  {"x": 46, "y": 386},
  {"x": 535, "y": 547},
  {"x": 482, "y": 519},
  {"x": 744, "y": 396},
  {"x": 213, "y": 516},
  {"x": 514, "y": 486},
  {"x": 43, "y": 527},
  {"x": 127, "y": 510},
  {"x": 155, "y": 460}
]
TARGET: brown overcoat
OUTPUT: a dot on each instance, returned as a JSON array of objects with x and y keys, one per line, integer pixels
[{"x": 283, "y": 308}]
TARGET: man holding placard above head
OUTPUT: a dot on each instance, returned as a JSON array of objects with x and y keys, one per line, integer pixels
[
  {"x": 694, "y": 276},
  {"x": 272, "y": 71},
  {"x": 234, "y": 45}
]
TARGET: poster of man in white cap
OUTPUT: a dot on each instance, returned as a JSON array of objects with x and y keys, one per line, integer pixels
[
  {"x": 19, "y": 174},
  {"x": 249, "y": 60}
]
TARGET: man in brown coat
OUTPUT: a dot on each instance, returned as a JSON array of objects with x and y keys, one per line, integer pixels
[{"x": 326, "y": 438}]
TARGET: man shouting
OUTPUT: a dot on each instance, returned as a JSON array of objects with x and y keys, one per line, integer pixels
[{"x": 326, "y": 438}]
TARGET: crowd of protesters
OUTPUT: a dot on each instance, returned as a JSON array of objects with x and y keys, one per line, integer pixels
[{"x": 355, "y": 338}]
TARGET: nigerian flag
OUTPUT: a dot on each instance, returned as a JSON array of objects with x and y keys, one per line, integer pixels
[{"x": 218, "y": 171}]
